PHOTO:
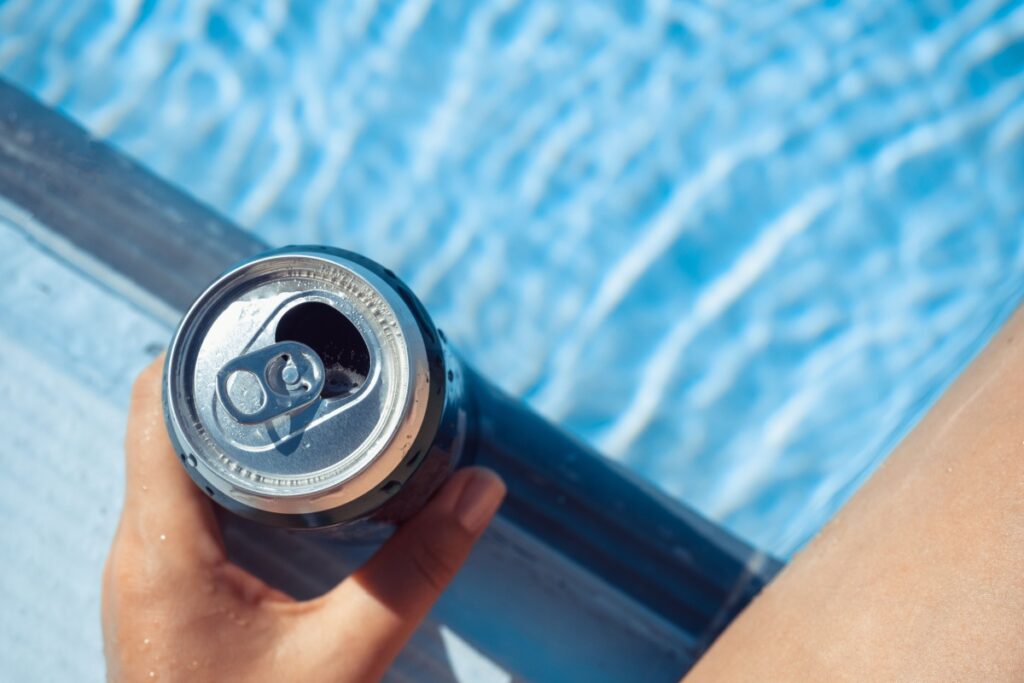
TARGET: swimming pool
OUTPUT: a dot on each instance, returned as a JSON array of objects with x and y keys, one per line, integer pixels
[{"x": 738, "y": 247}]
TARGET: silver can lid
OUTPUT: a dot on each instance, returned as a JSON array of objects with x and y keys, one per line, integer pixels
[{"x": 297, "y": 382}]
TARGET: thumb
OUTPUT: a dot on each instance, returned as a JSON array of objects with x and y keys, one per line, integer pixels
[{"x": 391, "y": 594}]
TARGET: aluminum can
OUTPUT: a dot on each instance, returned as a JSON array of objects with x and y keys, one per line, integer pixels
[{"x": 308, "y": 388}]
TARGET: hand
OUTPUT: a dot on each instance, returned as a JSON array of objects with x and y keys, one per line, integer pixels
[{"x": 175, "y": 608}]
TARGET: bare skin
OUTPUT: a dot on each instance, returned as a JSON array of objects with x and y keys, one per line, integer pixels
[
  {"x": 175, "y": 608},
  {"x": 921, "y": 576}
]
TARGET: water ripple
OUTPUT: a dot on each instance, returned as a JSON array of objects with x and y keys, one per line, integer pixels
[{"x": 739, "y": 245}]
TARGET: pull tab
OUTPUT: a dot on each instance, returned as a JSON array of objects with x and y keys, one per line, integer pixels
[{"x": 276, "y": 380}]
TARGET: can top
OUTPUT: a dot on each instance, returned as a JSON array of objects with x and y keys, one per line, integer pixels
[{"x": 297, "y": 382}]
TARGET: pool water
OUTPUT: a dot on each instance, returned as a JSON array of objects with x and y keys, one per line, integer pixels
[{"x": 740, "y": 247}]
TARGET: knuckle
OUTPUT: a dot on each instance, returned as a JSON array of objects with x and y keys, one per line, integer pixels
[
  {"x": 120, "y": 576},
  {"x": 433, "y": 565},
  {"x": 130, "y": 573}
]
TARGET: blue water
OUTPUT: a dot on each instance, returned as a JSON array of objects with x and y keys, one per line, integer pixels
[{"x": 738, "y": 246}]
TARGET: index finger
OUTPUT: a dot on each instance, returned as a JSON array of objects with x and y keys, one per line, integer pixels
[{"x": 161, "y": 503}]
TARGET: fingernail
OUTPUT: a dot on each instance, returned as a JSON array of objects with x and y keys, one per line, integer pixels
[{"x": 479, "y": 500}]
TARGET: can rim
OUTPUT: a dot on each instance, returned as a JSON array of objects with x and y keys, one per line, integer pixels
[{"x": 383, "y": 460}]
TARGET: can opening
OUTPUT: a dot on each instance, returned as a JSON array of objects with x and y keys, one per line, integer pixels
[{"x": 335, "y": 339}]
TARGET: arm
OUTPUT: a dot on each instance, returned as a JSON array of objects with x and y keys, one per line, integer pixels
[{"x": 921, "y": 575}]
